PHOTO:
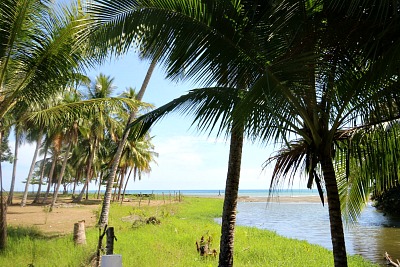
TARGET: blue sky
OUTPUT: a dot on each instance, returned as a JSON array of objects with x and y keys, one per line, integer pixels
[{"x": 187, "y": 159}]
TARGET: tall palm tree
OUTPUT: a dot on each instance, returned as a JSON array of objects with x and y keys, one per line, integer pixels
[
  {"x": 118, "y": 154},
  {"x": 138, "y": 156},
  {"x": 209, "y": 42},
  {"x": 306, "y": 81},
  {"x": 18, "y": 137},
  {"x": 39, "y": 136},
  {"x": 102, "y": 88}
]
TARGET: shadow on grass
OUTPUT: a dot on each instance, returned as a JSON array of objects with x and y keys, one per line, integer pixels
[{"x": 23, "y": 232}]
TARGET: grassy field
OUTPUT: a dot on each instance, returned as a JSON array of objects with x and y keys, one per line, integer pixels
[{"x": 170, "y": 243}]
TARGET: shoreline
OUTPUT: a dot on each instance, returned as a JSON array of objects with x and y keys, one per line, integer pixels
[{"x": 274, "y": 198}]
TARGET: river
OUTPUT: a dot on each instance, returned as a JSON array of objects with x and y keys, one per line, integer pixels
[{"x": 370, "y": 237}]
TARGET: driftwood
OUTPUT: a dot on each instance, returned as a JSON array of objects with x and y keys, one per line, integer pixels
[
  {"x": 390, "y": 261},
  {"x": 204, "y": 247}
]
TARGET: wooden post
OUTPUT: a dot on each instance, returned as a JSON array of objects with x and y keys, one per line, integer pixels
[
  {"x": 79, "y": 233},
  {"x": 99, "y": 245},
  {"x": 163, "y": 197},
  {"x": 110, "y": 241}
]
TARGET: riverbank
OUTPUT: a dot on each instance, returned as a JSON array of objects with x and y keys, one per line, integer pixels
[
  {"x": 66, "y": 213},
  {"x": 170, "y": 242}
]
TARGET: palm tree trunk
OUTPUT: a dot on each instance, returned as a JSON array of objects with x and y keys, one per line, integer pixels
[
  {"x": 11, "y": 193},
  {"x": 88, "y": 172},
  {"x": 105, "y": 208},
  {"x": 335, "y": 216},
  {"x": 51, "y": 173},
  {"x": 230, "y": 201},
  {"x": 3, "y": 208},
  {"x": 98, "y": 191},
  {"x": 28, "y": 179},
  {"x": 36, "y": 200},
  {"x": 126, "y": 184},
  {"x": 60, "y": 177},
  {"x": 121, "y": 183},
  {"x": 116, "y": 183}
]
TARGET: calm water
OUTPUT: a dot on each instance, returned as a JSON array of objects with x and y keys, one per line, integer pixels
[{"x": 370, "y": 237}]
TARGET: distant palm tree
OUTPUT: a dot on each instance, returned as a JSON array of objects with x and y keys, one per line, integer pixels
[{"x": 102, "y": 88}]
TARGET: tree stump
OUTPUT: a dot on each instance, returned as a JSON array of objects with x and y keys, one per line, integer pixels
[{"x": 79, "y": 233}]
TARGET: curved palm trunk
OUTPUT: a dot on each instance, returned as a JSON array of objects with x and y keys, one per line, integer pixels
[
  {"x": 11, "y": 193},
  {"x": 60, "y": 177},
  {"x": 105, "y": 208},
  {"x": 36, "y": 200},
  {"x": 230, "y": 200},
  {"x": 28, "y": 180},
  {"x": 335, "y": 216},
  {"x": 51, "y": 173}
]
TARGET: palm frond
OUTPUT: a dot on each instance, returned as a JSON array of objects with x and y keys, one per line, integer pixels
[
  {"x": 211, "y": 108},
  {"x": 67, "y": 113}
]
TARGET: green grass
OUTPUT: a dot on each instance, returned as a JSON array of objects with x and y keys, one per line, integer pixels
[{"x": 171, "y": 243}]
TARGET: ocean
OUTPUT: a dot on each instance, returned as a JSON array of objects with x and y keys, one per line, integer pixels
[{"x": 243, "y": 192}]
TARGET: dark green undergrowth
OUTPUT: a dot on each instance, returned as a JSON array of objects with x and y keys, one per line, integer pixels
[{"x": 171, "y": 242}]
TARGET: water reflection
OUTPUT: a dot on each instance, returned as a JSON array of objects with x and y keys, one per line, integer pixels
[{"x": 370, "y": 237}]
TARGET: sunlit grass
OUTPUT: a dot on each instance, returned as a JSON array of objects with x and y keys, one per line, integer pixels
[{"x": 170, "y": 243}]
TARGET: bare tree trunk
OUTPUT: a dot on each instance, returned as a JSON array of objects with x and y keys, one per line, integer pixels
[
  {"x": 230, "y": 200},
  {"x": 105, "y": 209},
  {"x": 11, "y": 193},
  {"x": 36, "y": 200},
  {"x": 28, "y": 179},
  {"x": 335, "y": 215},
  {"x": 60, "y": 177}
]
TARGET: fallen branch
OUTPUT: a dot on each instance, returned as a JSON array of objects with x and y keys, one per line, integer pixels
[{"x": 390, "y": 261}]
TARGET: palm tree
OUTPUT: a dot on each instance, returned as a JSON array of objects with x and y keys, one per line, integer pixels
[
  {"x": 137, "y": 157},
  {"x": 308, "y": 84},
  {"x": 211, "y": 42},
  {"x": 30, "y": 67},
  {"x": 39, "y": 136},
  {"x": 118, "y": 154},
  {"x": 18, "y": 134},
  {"x": 102, "y": 88}
]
